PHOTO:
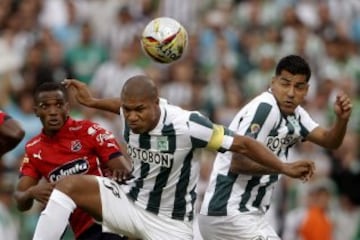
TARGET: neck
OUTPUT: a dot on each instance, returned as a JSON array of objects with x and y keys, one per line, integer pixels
[{"x": 156, "y": 118}]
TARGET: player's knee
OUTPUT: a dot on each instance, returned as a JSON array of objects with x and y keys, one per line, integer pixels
[{"x": 69, "y": 185}]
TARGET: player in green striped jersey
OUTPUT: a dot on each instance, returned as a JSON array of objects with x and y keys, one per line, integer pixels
[
  {"x": 164, "y": 142},
  {"x": 239, "y": 192}
]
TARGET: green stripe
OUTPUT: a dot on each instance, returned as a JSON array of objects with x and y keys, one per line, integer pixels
[
  {"x": 290, "y": 127},
  {"x": 181, "y": 188},
  {"x": 262, "y": 190},
  {"x": 247, "y": 193},
  {"x": 198, "y": 143},
  {"x": 197, "y": 118},
  {"x": 163, "y": 176},
  {"x": 260, "y": 116},
  {"x": 303, "y": 131},
  {"x": 126, "y": 133},
  {"x": 220, "y": 198},
  {"x": 193, "y": 199},
  {"x": 201, "y": 120},
  {"x": 144, "y": 142},
  {"x": 262, "y": 112},
  {"x": 228, "y": 132}
]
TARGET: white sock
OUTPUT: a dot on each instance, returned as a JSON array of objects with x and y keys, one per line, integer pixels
[{"x": 54, "y": 218}]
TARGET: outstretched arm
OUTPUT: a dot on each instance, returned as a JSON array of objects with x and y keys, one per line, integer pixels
[
  {"x": 11, "y": 135},
  {"x": 260, "y": 154},
  {"x": 243, "y": 165},
  {"x": 333, "y": 137},
  {"x": 84, "y": 97}
]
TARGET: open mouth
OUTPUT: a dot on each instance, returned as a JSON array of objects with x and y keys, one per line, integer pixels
[{"x": 53, "y": 122}]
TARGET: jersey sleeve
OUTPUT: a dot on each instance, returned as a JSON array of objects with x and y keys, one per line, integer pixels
[
  {"x": 307, "y": 124},
  {"x": 103, "y": 142},
  {"x": 205, "y": 134},
  {"x": 255, "y": 121},
  {"x": 27, "y": 167}
]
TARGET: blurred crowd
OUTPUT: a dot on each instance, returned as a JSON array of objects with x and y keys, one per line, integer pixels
[{"x": 232, "y": 51}]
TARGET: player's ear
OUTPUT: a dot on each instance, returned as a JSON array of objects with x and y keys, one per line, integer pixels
[
  {"x": 273, "y": 79},
  {"x": 67, "y": 108}
]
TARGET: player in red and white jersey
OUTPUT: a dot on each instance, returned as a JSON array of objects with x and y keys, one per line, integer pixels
[
  {"x": 11, "y": 133},
  {"x": 67, "y": 147}
]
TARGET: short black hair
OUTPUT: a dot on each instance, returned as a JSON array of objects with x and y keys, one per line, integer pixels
[
  {"x": 50, "y": 86},
  {"x": 294, "y": 64}
]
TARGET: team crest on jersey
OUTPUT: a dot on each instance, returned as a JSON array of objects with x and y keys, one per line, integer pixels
[
  {"x": 162, "y": 143},
  {"x": 254, "y": 128},
  {"x": 76, "y": 146}
]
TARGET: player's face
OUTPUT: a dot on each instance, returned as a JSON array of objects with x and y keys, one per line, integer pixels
[
  {"x": 289, "y": 90},
  {"x": 141, "y": 113},
  {"x": 52, "y": 109}
]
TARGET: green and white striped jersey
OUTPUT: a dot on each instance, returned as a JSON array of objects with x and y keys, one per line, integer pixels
[
  {"x": 166, "y": 160},
  {"x": 229, "y": 193}
]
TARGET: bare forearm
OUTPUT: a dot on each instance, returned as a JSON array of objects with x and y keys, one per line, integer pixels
[
  {"x": 243, "y": 165},
  {"x": 336, "y": 134},
  {"x": 257, "y": 152},
  {"x": 329, "y": 138},
  {"x": 108, "y": 104}
]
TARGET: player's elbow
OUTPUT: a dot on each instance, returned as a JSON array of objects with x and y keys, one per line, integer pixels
[
  {"x": 331, "y": 144},
  {"x": 18, "y": 135},
  {"x": 242, "y": 145}
]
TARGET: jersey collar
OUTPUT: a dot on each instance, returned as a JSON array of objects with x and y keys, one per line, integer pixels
[
  {"x": 161, "y": 122},
  {"x": 61, "y": 133}
]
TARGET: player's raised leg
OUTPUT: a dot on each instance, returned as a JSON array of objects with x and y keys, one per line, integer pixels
[{"x": 70, "y": 192}]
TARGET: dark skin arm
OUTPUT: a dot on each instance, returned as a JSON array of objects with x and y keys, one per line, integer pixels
[
  {"x": 243, "y": 145},
  {"x": 11, "y": 135},
  {"x": 84, "y": 97},
  {"x": 254, "y": 150},
  {"x": 29, "y": 189},
  {"x": 333, "y": 137},
  {"x": 242, "y": 165},
  {"x": 120, "y": 168}
]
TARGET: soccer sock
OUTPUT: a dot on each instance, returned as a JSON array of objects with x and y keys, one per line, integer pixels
[{"x": 54, "y": 218}]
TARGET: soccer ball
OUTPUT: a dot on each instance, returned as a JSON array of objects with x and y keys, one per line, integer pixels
[{"x": 164, "y": 40}]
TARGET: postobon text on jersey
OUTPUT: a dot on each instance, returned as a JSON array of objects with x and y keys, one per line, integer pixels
[{"x": 148, "y": 156}]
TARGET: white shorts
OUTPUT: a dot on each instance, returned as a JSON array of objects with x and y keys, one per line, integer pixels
[
  {"x": 122, "y": 216},
  {"x": 238, "y": 227}
]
